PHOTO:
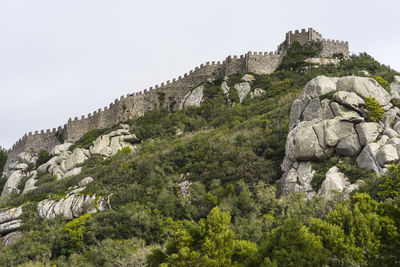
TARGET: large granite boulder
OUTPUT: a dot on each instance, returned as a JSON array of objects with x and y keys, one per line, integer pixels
[
  {"x": 364, "y": 88},
  {"x": 367, "y": 132},
  {"x": 193, "y": 98},
  {"x": 318, "y": 86},
  {"x": 9, "y": 223},
  {"x": 243, "y": 89},
  {"x": 335, "y": 181},
  {"x": 11, "y": 185},
  {"x": 302, "y": 143}
]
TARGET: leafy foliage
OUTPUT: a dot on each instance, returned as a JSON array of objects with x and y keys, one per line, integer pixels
[
  {"x": 291, "y": 244},
  {"x": 385, "y": 84},
  {"x": 294, "y": 60},
  {"x": 208, "y": 243},
  {"x": 43, "y": 157},
  {"x": 3, "y": 159},
  {"x": 76, "y": 231},
  {"x": 375, "y": 110}
]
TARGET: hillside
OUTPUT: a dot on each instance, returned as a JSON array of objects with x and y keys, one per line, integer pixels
[{"x": 205, "y": 182}]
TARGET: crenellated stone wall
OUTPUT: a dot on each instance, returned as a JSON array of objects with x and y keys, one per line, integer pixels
[{"x": 136, "y": 104}]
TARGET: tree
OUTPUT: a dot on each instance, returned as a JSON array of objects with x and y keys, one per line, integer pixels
[
  {"x": 209, "y": 243},
  {"x": 3, "y": 159},
  {"x": 291, "y": 244},
  {"x": 356, "y": 232}
]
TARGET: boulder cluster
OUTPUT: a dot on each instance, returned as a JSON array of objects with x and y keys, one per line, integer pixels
[
  {"x": 9, "y": 223},
  {"x": 74, "y": 204},
  {"x": 242, "y": 88},
  {"x": 329, "y": 117},
  {"x": 63, "y": 163},
  {"x": 18, "y": 169}
]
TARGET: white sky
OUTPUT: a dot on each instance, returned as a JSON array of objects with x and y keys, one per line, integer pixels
[{"x": 61, "y": 59}]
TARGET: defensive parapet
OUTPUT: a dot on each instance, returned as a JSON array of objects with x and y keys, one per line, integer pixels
[
  {"x": 37, "y": 141},
  {"x": 263, "y": 62},
  {"x": 170, "y": 93},
  {"x": 330, "y": 48},
  {"x": 333, "y": 47}
]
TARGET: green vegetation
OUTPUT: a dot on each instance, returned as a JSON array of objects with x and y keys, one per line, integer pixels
[
  {"x": 209, "y": 243},
  {"x": 385, "y": 84},
  {"x": 375, "y": 110},
  {"x": 60, "y": 136},
  {"x": 294, "y": 60},
  {"x": 3, "y": 159},
  {"x": 76, "y": 231},
  {"x": 3, "y": 181},
  {"x": 43, "y": 157},
  {"x": 232, "y": 213},
  {"x": 86, "y": 140}
]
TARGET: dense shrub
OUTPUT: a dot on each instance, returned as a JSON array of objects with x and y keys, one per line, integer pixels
[
  {"x": 385, "y": 84},
  {"x": 43, "y": 157},
  {"x": 294, "y": 60},
  {"x": 375, "y": 110},
  {"x": 3, "y": 159}
]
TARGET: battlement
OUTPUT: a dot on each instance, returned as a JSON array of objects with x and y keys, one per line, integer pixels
[
  {"x": 135, "y": 104},
  {"x": 329, "y": 47},
  {"x": 302, "y": 36}
]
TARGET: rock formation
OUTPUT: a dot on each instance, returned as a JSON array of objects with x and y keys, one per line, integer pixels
[{"x": 329, "y": 117}]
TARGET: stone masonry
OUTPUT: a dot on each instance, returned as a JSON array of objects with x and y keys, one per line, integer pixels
[{"x": 136, "y": 104}]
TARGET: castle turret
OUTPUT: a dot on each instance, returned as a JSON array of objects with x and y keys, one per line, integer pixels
[{"x": 329, "y": 47}]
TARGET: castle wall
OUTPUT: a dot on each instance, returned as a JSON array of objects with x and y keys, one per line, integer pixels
[
  {"x": 331, "y": 47},
  {"x": 302, "y": 36},
  {"x": 235, "y": 65},
  {"x": 34, "y": 143},
  {"x": 263, "y": 63},
  {"x": 136, "y": 104}
]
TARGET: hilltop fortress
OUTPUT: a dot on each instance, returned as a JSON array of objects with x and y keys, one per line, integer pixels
[{"x": 173, "y": 92}]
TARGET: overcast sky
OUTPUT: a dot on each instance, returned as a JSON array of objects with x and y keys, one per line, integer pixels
[{"x": 61, "y": 59}]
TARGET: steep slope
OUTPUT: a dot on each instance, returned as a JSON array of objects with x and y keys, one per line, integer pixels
[{"x": 115, "y": 194}]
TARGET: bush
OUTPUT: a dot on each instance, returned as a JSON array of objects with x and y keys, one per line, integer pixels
[
  {"x": 43, "y": 157},
  {"x": 3, "y": 181},
  {"x": 375, "y": 110},
  {"x": 87, "y": 139},
  {"x": 385, "y": 84},
  {"x": 294, "y": 60},
  {"x": 3, "y": 159},
  {"x": 76, "y": 232}
]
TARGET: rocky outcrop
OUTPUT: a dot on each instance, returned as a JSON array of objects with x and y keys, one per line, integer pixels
[
  {"x": 66, "y": 163},
  {"x": 108, "y": 145},
  {"x": 11, "y": 238},
  {"x": 18, "y": 169},
  {"x": 334, "y": 182},
  {"x": 329, "y": 118},
  {"x": 243, "y": 88},
  {"x": 74, "y": 204},
  {"x": 395, "y": 87},
  {"x": 193, "y": 98},
  {"x": 9, "y": 223},
  {"x": 62, "y": 164}
]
